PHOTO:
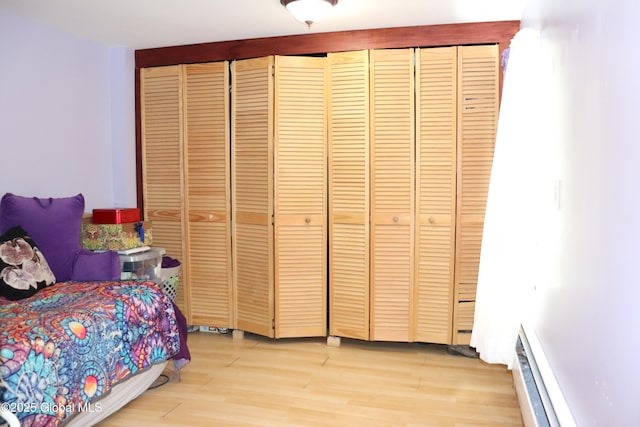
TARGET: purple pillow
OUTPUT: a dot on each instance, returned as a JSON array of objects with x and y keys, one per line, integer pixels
[
  {"x": 90, "y": 266},
  {"x": 53, "y": 223}
]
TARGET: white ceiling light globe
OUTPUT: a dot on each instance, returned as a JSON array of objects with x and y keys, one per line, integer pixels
[{"x": 309, "y": 11}]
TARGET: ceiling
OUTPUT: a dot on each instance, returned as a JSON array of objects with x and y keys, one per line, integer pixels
[{"x": 140, "y": 24}]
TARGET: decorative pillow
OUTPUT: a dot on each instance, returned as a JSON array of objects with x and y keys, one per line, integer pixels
[
  {"x": 90, "y": 266},
  {"x": 53, "y": 223},
  {"x": 23, "y": 268}
]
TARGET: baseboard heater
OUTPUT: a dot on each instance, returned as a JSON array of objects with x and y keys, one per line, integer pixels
[{"x": 535, "y": 403}]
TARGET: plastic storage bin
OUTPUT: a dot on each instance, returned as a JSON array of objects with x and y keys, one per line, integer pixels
[{"x": 143, "y": 266}]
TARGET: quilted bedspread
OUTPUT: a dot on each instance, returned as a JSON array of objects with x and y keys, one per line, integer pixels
[{"x": 69, "y": 344}]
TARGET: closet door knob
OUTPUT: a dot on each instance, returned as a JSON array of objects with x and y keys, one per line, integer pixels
[
  {"x": 396, "y": 219},
  {"x": 307, "y": 220},
  {"x": 432, "y": 220}
]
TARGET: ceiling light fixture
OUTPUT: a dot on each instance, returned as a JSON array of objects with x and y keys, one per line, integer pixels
[{"x": 309, "y": 11}]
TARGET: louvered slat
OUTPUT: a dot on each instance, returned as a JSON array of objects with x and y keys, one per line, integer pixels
[
  {"x": 391, "y": 277},
  {"x": 436, "y": 87},
  {"x": 348, "y": 115},
  {"x": 465, "y": 318},
  {"x": 161, "y": 132},
  {"x": 349, "y": 299},
  {"x": 206, "y": 164},
  {"x": 209, "y": 274},
  {"x": 392, "y": 193},
  {"x": 300, "y": 290},
  {"x": 478, "y": 87},
  {"x": 252, "y": 193},
  {"x": 300, "y": 197},
  {"x": 254, "y": 285}
]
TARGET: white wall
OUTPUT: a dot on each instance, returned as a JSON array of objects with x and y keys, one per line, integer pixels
[
  {"x": 123, "y": 126},
  {"x": 586, "y": 317},
  {"x": 66, "y": 116}
]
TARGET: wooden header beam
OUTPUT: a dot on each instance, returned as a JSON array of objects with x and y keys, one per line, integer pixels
[{"x": 306, "y": 44}]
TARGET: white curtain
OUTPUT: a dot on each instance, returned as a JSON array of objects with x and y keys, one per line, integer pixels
[{"x": 507, "y": 275}]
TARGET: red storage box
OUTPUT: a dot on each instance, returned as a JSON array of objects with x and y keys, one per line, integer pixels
[{"x": 116, "y": 215}]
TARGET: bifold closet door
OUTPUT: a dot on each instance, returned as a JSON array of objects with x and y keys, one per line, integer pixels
[
  {"x": 348, "y": 115},
  {"x": 436, "y": 111},
  {"x": 300, "y": 194},
  {"x": 252, "y": 193},
  {"x": 478, "y": 89},
  {"x": 163, "y": 185},
  {"x": 207, "y": 193},
  {"x": 392, "y": 193}
]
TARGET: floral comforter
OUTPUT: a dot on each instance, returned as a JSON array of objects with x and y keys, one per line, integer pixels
[{"x": 68, "y": 345}]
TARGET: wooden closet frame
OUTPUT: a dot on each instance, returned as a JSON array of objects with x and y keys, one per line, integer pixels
[{"x": 500, "y": 32}]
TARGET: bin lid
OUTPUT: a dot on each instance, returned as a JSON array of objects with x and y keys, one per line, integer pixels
[{"x": 153, "y": 252}]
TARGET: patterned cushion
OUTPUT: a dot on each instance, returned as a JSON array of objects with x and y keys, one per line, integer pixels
[{"x": 23, "y": 268}]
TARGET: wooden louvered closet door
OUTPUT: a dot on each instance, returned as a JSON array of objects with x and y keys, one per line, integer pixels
[
  {"x": 163, "y": 184},
  {"x": 392, "y": 193},
  {"x": 478, "y": 88},
  {"x": 300, "y": 197},
  {"x": 207, "y": 193},
  {"x": 436, "y": 111},
  {"x": 252, "y": 192},
  {"x": 348, "y": 115}
]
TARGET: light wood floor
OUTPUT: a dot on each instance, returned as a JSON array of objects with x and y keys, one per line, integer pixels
[{"x": 256, "y": 381}]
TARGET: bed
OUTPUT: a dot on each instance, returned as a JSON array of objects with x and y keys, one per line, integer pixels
[
  {"x": 67, "y": 350},
  {"x": 76, "y": 343}
]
